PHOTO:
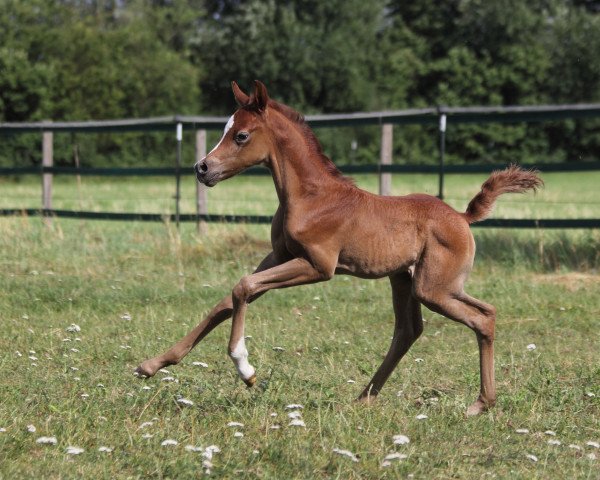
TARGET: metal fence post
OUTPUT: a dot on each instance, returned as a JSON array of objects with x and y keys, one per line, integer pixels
[
  {"x": 201, "y": 197},
  {"x": 385, "y": 158},
  {"x": 47, "y": 161},
  {"x": 442, "y": 129},
  {"x": 178, "y": 173}
]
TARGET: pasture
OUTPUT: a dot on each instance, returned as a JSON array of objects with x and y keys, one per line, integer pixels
[{"x": 133, "y": 289}]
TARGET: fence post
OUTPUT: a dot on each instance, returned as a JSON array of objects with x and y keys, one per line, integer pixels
[
  {"x": 201, "y": 197},
  {"x": 442, "y": 129},
  {"x": 385, "y": 158},
  {"x": 47, "y": 161},
  {"x": 179, "y": 137}
]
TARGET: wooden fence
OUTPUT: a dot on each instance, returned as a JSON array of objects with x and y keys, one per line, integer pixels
[{"x": 440, "y": 116}]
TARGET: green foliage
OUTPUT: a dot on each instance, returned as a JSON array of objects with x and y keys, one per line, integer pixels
[{"x": 74, "y": 59}]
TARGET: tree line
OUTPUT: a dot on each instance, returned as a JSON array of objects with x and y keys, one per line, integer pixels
[{"x": 103, "y": 59}]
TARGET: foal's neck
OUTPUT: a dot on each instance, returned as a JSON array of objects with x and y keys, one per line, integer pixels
[{"x": 297, "y": 166}]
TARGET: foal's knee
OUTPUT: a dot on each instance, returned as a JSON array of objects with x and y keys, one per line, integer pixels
[
  {"x": 243, "y": 290},
  {"x": 486, "y": 328}
]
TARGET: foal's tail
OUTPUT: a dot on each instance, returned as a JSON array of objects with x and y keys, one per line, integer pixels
[{"x": 513, "y": 179}]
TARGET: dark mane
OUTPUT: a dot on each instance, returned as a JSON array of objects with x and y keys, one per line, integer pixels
[{"x": 310, "y": 137}]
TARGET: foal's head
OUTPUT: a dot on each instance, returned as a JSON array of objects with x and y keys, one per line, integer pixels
[{"x": 246, "y": 140}]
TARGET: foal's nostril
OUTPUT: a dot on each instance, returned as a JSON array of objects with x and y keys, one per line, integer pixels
[{"x": 203, "y": 167}]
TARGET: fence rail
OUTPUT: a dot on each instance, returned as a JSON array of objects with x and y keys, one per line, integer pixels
[{"x": 442, "y": 116}]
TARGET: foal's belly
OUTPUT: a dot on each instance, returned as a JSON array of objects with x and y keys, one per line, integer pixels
[{"x": 375, "y": 256}]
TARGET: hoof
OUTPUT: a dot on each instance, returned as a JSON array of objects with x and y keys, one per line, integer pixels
[
  {"x": 145, "y": 370},
  {"x": 367, "y": 400},
  {"x": 250, "y": 382},
  {"x": 477, "y": 408}
]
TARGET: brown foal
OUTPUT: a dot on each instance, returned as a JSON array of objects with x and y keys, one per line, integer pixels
[{"x": 326, "y": 225}]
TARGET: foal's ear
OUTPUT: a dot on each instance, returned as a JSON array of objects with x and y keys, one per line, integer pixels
[
  {"x": 240, "y": 97},
  {"x": 260, "y": 96}
]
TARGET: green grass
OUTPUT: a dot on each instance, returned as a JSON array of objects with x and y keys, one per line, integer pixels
[{"x": 544, "y": 284}]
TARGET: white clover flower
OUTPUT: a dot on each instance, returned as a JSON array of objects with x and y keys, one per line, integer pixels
[
  {"x": 345, "y": 453},
  {"x": 574, "y": 447},
  {"x": 238, "y": 434},
  {"x": 46, "y": 440},
  {"x": 31, "y": 428},
  {"x": 550, "y": 432},
  {"x": 192, "y": 448},
  {"x": 278, "y": 349},
  {"x": 593, "y": 444},
  {"x": 591, "y": 456},
  {"x": 73, "y": 328},
  {"x": 210, "y": 451},
  {"x": 126, "y": 316},
  {"x": 531, "y": 347},
  {"x": 387, "y": 461},
  {"x": 295, "y": 414},
  {"x": 2, "y": 430},
  {"x": 146, "y": 387},
  {"x": 169, "y": 442},
  {"x": 200, "y": 364},
  {"x": 145, "y": 424},
  {"x": 294, "y": 406},
  {"x": 297, "y": 422},
  {"x": 147, "y": 435},
  {"x": 522, "y": 431},
  {"x": 105, "y": 449},
  {"x": 531, "y": 457},
  {"x": 235, "y": 424},
  {"x": 185, "y": 401},
  {"x": 351, "y": 381},
  {"x": 419, "y": 360},
  {"x": 401, "y": 439},
  {"x": 421, "y": 416},
  {"x": 74, "y": 450},
  {"x": 169, "y": 379},
  {"x": 554, "y": 442}
]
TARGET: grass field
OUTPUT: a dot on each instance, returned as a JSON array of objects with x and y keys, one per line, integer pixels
[{"x": 134, "y": 289}]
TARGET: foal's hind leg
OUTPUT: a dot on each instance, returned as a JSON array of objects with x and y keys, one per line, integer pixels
[
  {"x": 479, "y": 317},
  {"x": 408, "y": 327}
]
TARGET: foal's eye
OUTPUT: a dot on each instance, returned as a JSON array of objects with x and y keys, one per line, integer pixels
[{"x": 241, "y": 137}]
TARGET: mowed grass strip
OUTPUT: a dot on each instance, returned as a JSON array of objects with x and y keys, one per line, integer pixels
[{"x": 133, "y": 289}]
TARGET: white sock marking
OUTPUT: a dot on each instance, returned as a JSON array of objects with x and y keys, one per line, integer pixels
[
  {"x": 239, "y": 355},
  {"x": 227, "y": 128}
]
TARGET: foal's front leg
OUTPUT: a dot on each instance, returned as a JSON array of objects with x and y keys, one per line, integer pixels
[
  {"x": 295, "y": 272},
  {"x": 221, "y": 312}
]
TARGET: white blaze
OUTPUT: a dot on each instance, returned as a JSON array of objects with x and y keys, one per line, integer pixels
[
  {"x": 227, "y": 128},
  {"x": 239, "y": 355}
]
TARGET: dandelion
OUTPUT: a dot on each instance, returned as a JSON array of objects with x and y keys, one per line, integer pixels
[
  {"x": 421, "y": 416},
  {"x": 169, "y": 442},
  {"x": 345, "y": 453},
  {"x": 550, "y": 432},
  {"x": 235, "y": 424},
  {"x": 200, "y": 364},
  {"x": 73, "y": 328},
  {"x": 531, "y": 457},
  {"x": 105, "y": 449},
  {"x": 192, "y": 448},
  {"x": 31, "y": 428},
  {"x": 297, "y": 422},
  {"x": 294, "y": 406},
  {"x": 522, "y": 431},
  {"x": 401, "y": 439},
  {"x": 185, "y": 401},
  {"x": 46, "y": 440},
  {"x": 554, "y": 442},
  {"x": 593, "y": 444},
  {"x": 531, "y": 347},
  {"x": 238, "y": 434},
  {"x": 74, "y": 450}
]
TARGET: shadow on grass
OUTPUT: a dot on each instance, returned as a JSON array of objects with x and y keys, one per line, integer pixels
[{"x": 541, "y": 250}]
